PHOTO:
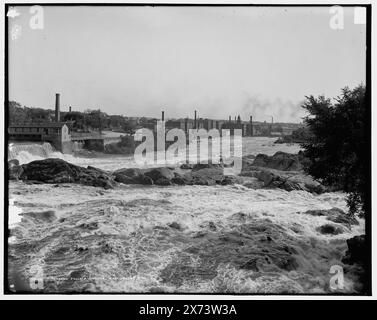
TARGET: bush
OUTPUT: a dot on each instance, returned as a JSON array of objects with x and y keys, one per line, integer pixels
[{"x": 337, "y": 147}]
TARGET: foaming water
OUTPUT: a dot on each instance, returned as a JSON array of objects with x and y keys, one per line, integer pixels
[
  {"x": 27, "y": 152},
  {"x": 169, "y": 239},
  {"x": 209, "y": 239},
  {"x": 14, "y": 214}
]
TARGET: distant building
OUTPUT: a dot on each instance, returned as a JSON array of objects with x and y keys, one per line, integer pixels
[
  {"x": 57, "y": 133},
  {"x": 245, "y": 127},
  {"x": 204, "y": 123}
]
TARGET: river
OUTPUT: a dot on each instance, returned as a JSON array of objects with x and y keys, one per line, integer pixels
[{"x": 171, "y": 239}]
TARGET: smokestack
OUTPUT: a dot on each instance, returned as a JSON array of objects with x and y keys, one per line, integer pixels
[
  {"x": 251, "y": 125},
  {"x": 70, "y": 109},
  {"x": 57, "y": 107},
  {"x": 195, "y": 120},
  {"x": 162, "y": 115},
  {"x": 230, "y": 119}
]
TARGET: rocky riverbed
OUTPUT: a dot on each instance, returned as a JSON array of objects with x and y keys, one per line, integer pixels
[
  {"x": 188, "y": 228},
  {"x": 282, "y": 170}
]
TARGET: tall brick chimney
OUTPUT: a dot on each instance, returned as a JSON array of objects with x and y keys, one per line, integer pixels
[
  {"x": 70, "y": 109},
  {"x": 195, "y": 120},
  {"x": 162, "y": 115},
  {"x": 251, "y": 125},
  {"x": 57, "y": 107}
]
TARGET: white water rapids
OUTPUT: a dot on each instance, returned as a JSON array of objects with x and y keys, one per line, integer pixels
[{"x": 209, "y": 239}]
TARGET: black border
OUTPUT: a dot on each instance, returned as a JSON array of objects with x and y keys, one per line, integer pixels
[{"x": 368, "y": 154}]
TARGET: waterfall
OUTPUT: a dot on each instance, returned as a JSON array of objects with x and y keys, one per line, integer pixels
[{"x": 27, "y": 152}]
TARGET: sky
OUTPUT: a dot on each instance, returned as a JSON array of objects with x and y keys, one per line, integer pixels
[{"x": 221, "y": 61}]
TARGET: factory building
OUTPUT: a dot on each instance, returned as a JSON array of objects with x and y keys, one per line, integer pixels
[
  {"x": 57, "y": 132},
  {"x": 199, "y": 123}
]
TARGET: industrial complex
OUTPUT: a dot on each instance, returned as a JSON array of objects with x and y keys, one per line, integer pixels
[{"x": 63, "y": 138}]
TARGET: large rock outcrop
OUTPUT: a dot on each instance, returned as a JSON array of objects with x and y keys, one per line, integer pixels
[
  {"x": 282, "y": 170},
  {"x": 288, "y": 181},
  {"x": 132, "y": 176},
  {"x": 60, "y": 171}
]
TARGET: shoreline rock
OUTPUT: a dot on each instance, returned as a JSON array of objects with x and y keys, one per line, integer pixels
[
  {"x": 56, "y": 171},
  {"x": 282, "y": 170}
]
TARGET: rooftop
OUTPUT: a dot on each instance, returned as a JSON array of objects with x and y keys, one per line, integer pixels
[{"x": 39, "y": 125}]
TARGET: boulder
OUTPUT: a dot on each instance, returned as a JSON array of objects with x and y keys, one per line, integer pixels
[
  {"x": 180, "y": 180},
  {"x": 186, "y": 166},
  {"x": 160, "y": 173},
  {"x": 200, "y": 166},
  {"x": 279, "y": 161},
  {"x": 205, "y": 176},
  {"x": 163, "y": 182},
  {"x": 59, "y": 171},
  {"x": 145, "y": 180},
  {"x": 175, "y": 225},
  {"x": 357, "y": 251},
  {"x": 96, "y": 179},
  {"x": 269, "y": 176},
  {"x": 227, "y": 180},
  {"x": 98, "y": 170},
  {"x": 359, "y": 256},
  {"x": 51, "y": 171},
  {"x": 329, "y": 229},
  {"x": 130, "y": 172},
  {"x": 126, "y": 179},
  {"x": 303, "y": 182},
  {"x": 12, "y": 163},
  {"x": 14, "y": 169},
  {"x": 132, "y": 176},
  {"x": 282, "y": 170},
  {"x": 335, "y": 215},
  {"x": 288, "y": 180}
]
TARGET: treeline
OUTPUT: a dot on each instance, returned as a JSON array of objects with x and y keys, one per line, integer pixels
[
  {"x": 81, "y": 121},
  {"x": 300, "y": 135}
]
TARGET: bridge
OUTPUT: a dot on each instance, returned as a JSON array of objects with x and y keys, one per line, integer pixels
[
  {"x": 82, "y": 136},
  {"x": 94, "y": 140}
]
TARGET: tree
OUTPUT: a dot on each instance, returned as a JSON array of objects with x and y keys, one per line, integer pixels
[
  {"x": 129, "y": 126},
  {"x": 337, "y": 147},
  {"x": 17, "y": 114}
]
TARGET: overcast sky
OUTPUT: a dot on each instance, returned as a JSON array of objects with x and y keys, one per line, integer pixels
[{"x": 137, "y": 61}]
